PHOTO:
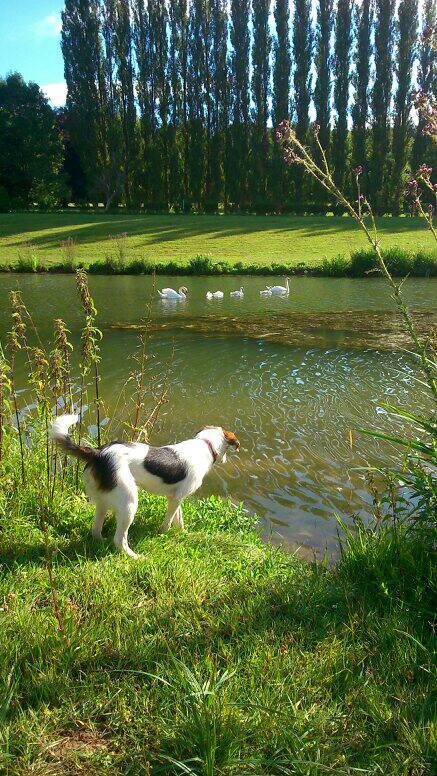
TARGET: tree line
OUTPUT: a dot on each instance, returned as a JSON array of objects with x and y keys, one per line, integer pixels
[{"x": 172, "y": 105}]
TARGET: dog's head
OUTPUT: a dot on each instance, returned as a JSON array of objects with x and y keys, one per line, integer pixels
[
  {"x": 227, "y": 439},
  {"x": 231, "y": 439}
]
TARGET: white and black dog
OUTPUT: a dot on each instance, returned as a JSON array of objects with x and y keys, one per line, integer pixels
[{"x": 114, "y": 472}]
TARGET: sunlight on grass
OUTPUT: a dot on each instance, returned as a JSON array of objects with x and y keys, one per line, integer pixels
[{"x": 250, "y": 239}]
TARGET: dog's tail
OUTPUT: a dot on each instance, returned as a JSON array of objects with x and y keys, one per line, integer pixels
[{"x": 59, "y": 433}]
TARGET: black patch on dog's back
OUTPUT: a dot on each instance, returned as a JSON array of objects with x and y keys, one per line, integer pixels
[
  {"x": 104, "y": 470},
  {"x": 165, "y": 463}
]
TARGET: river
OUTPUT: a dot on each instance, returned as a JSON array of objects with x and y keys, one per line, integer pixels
[{"x": 293, "y": 377}]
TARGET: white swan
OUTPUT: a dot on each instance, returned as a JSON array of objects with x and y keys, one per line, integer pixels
[
  {"x": 239, "y": 293},
  {"x": 266, "y": 292},
  {"x": 214, "y": 295},
  {"x": 281, "y": 289},
  {"x": 170, "y": 293}
]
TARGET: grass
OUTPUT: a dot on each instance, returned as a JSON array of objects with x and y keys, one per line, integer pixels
[
  {"x": 250, "y": 240},
  {"x": 212, "y": 653}
]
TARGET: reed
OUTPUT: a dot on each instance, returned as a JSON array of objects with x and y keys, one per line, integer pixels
[
  {"x": 16, "y": 341},
  {"x": 91, "y": 336},
  {"x": 69, "y": 254},
  {"x": 5, "y": 393}
]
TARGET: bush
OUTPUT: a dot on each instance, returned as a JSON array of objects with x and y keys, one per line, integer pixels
[
  {"x": 336, "y": 267},
  {"x": 201, "y": 265},
  {"x": 399, "y": 262}
]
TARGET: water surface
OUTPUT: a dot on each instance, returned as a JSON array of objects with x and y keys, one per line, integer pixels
[{"x": 291, "y": 405}]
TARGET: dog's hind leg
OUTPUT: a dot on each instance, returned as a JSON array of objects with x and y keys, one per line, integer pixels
[
  {"x": 99, "y": 519},
  {"x": 125, "y": 509},
  {"x": 124, "y": 520},
  {"x": 172, "y": 514},
  {"x": 178, "y": 519}
]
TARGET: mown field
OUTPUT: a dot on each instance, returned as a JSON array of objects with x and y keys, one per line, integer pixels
[{"x": 249, "y": 239}]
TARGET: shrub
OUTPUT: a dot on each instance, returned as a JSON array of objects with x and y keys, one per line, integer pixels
[
  {"x": 399, "y": 262},
  {"x": 336, "y": 267},
  {"x": 201, "y": 265}
]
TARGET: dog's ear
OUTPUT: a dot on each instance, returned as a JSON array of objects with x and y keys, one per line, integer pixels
[
  {"x": 231, "y": 439},
  {"x": 202, "y": 429}
]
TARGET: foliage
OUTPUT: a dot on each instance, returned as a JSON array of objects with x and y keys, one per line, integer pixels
[
  {"x": 323, "y": 87},
  {"x": 381, "y": 95},
  {"x": 406, "y": 34},
  {"x": 170, "y": 105},
  {"x": 30, "y": 147},
  {"x": 360, "y": 110},
  {"x": 281, "y": 78},
  {"x": 423, "y": 146},
  {"x": 342, "y": 57}
]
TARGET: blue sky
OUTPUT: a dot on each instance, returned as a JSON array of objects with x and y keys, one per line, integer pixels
[{"x": 30, "y": 43}]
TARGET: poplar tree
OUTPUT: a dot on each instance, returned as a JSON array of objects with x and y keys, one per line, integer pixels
[
  {"x": 220, "y": 105},
  {"x": 176, "y": 139},
  {"x": 196, "y": 135},
  {"x": 342, "y": 56},
  {"x": 239, "y": 131},
  {"x": 381, "y": 95},
  {"x": 281, "y": 98},
  {"x": 260, "y": 96},
  {"x": 81, "y": 45},
  {"x": 406, "y": 36},
  {"x": 360, "y": 110},
  {"x": 126, "y": 100},
  {"x": 113, "y": 174},
  {"x": 162, "y": 103},
  {"x": 322, "y": 91},
  {"x": 302, "y": 51},
  {"x": 424, "y": 147}
]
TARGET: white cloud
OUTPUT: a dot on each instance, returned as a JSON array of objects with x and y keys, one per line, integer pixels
[
  {"x": 56, "y": 93},
  {"x": 49, "y": 27}
]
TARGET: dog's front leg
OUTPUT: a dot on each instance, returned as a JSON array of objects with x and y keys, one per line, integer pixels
[{"x": 172, "y": 514}]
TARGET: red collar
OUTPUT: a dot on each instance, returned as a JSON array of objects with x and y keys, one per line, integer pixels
[{"x": 211, "y": 448}]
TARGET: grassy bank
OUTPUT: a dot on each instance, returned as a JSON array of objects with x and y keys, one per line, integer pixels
[
  {"x": 163, "y": 241},
  {"x": 212, "y": 653},
  {"x": 360, "y": 264}
]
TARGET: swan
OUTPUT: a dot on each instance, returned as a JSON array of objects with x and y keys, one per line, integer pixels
[
  {"x": 281, "y": 289},
  {"x": 214, "y": 295},
  {"x": 239, "y": 293},
  {"x": 170, "y": 293},
  {"x": 266, "y": 292}
]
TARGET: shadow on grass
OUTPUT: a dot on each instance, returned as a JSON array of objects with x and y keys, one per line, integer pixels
[
  {"x": 81, "y": 546},
  {"x": 89, "y": 229}
]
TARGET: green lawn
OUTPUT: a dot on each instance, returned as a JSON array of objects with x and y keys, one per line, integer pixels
[{"x": 250, "y": 239}]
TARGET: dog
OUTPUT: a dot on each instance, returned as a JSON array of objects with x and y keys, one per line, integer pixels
[{"x": 114, "y": 472}]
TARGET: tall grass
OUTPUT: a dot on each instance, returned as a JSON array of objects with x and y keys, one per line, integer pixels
[{"x": 360, "y": 264}]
